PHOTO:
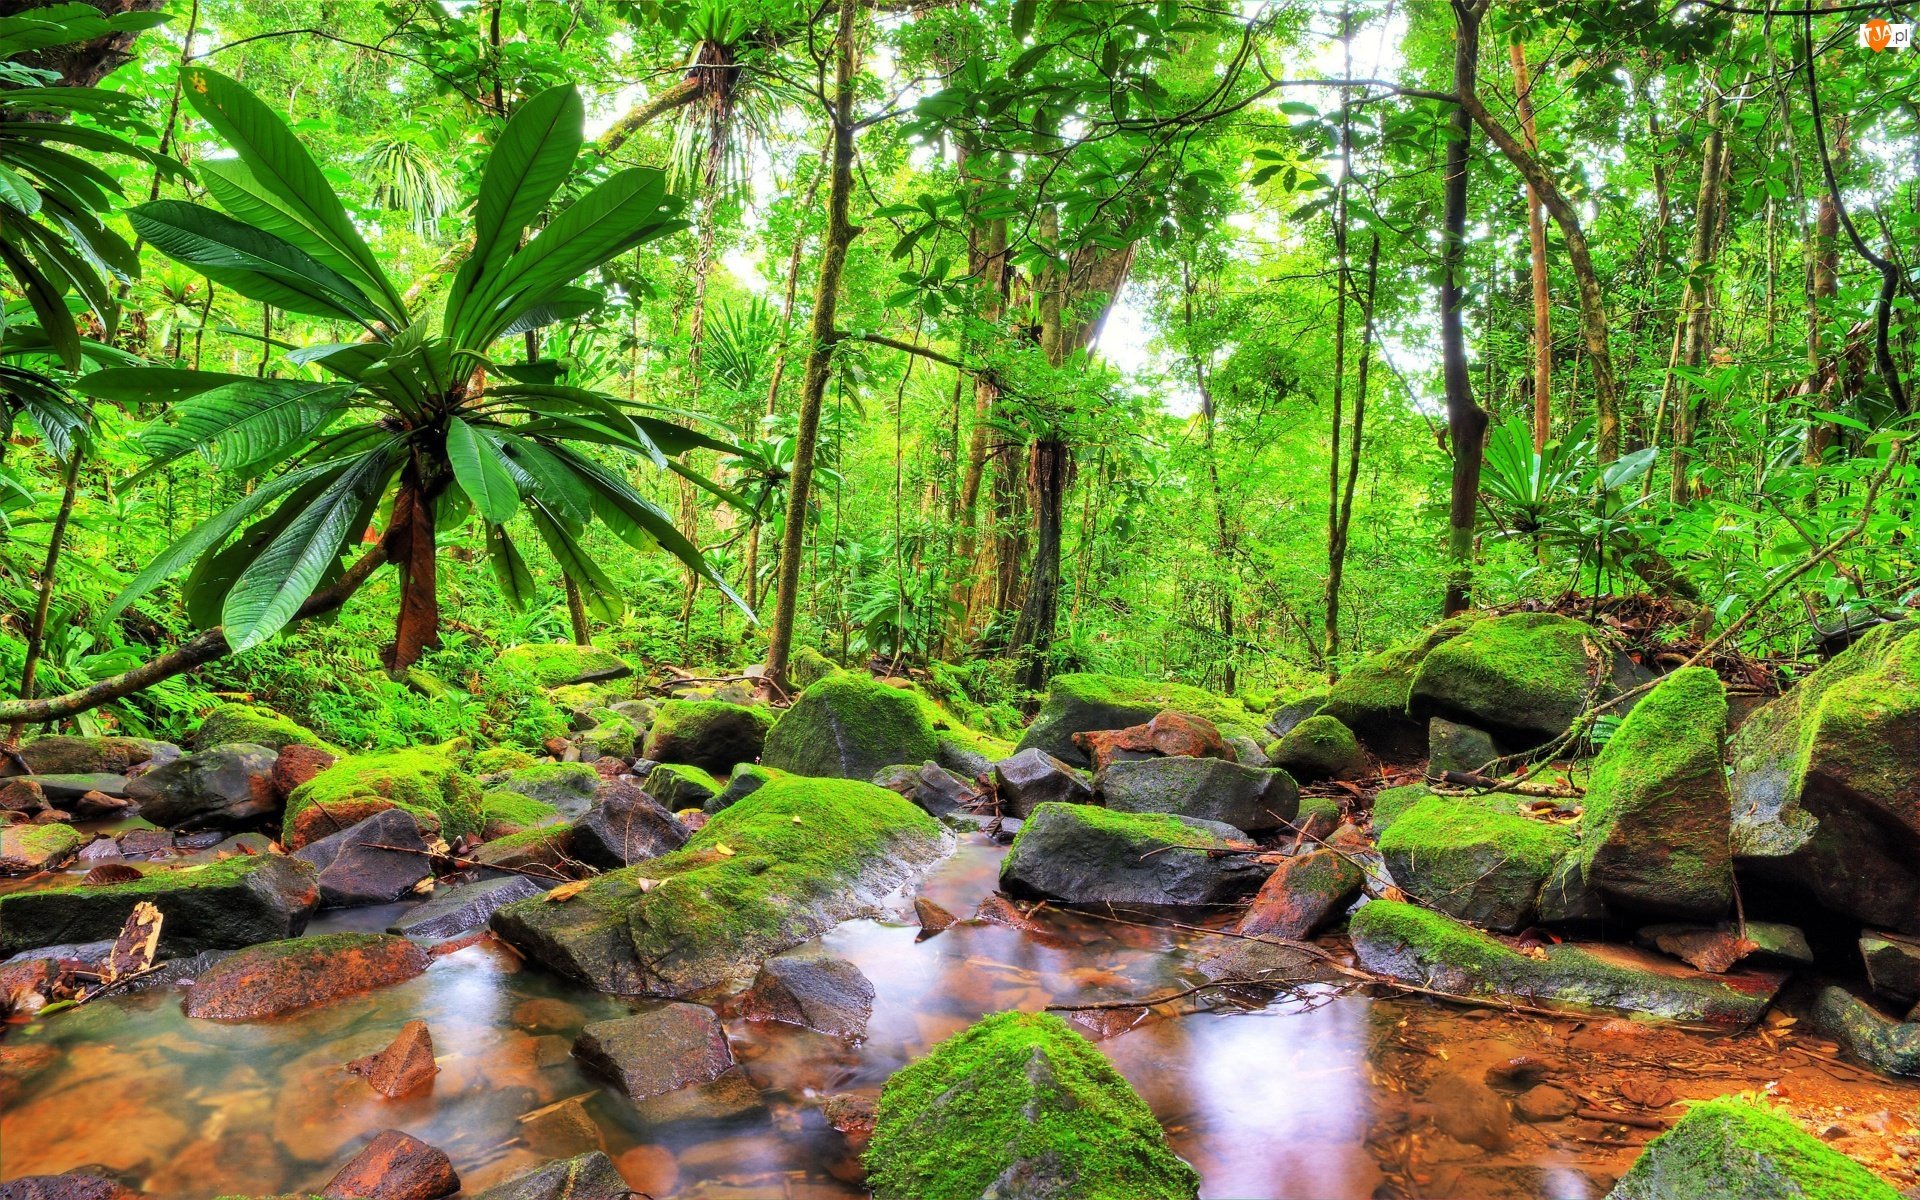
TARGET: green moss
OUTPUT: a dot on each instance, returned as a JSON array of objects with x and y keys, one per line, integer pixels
[
  {"x": 1438, "y": 936},
  {"x": 555, "y": 782},
  {"x": 1374, "y": 692},
  {"x": 581, "y": 699},
  {"x": 1440, "y": 821},
  {"x": 973, "y": 742},
  {"x": 560, "y": 663},
  {"x": 680, "y": 786},
  {"x": 159, "y": 881},
  {"x": 497, "y": 759},
  {"x": 1319, "y": 747},
  {"x": 707, "y": 733},
  {"x": 850, "y": 725},
  {"x": 1737, "y": 1146},
  {"x": 1321, "y": 809},
  {"x": 510, "y": 812},
  {"x": 28, "y": 847},
  {"x": 1523, "y": 674},
  {"x": 1389, "y": 804},
  {"x": 493, "y": 849},
  {"x": 419, "y": 779},
  {"x": 612, "y": 735},
  {"x": 257, "y": 724},
  {"x": 1146, "y": 830},
  {"x": 1472, "y": 862},
  {"x": 1018, "y": 1096},
  {"x": 809, "y": 667}
]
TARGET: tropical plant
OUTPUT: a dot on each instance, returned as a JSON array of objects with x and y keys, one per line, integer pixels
[{"x": 413, "y": 422}]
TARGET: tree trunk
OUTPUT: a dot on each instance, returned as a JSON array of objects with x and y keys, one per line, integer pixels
[
  {"x": 1466, "y": 420},
  {"x": 410, "y": 547},
  {"x": 1694, "y": 305},
  {"x": 833, "y": 258},
  {"x": 43, "y": 603},
  {"x": 577, "y": 613},
  {"x": 988, "y": 246},
  {"x": 1337, "y": 550},
  {"x": 1537, "y": 243},
  {"x": 1823, "y": 286},
  {"x": 1049, "y": 471}
]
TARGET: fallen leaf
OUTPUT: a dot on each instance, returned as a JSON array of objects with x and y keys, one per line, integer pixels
[
  {"x": 133, "y": 950},
  {"x": 647, "y": 885},
  {"x": 111, "y": 873},
  {"x": 721, "y": 848},
  {"x": 567, "y": 891},
  {"x": 1645, "y": 1093}
]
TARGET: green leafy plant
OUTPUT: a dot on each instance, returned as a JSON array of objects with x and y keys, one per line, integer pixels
[{"x": 415, "y": 419}]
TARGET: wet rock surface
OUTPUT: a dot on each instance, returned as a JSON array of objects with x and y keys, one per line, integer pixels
[
  {"x": 1254, "y": 800},
  {"x": 1303, "y": 895},
  {"x": 278, "y": 977},
  {"x": 1081, "y": 854},
  {"x": 454, "y": 910},
  {"x": 224, "y": 786},
  {"x": 664, "y": 1048},
  {"x": 406, "y": 1065},
  {"x": 218, "y": 906},
  {"x": 1032, "y": 778},
  {"x": 812, "y": 989},
  {"x": 376, "y": 861},
  {"x": 626, "y": 825},
  {"x": 394, "y": 1166}
]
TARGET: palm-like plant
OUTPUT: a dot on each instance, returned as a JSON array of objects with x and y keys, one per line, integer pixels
[{"x": 414, "y": 418}]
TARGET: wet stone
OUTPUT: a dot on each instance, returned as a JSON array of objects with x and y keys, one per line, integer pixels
[
  {"x": 73, "y": 1185},
  {"x": 406, "y": 1064},
  {"x": 667, "y": 1047},
  {"x": 1544, "y": 1102},
  {"x": 1893, "y": 964},
  {"x": 1452, "y": 746},
  {"x": 1866, "y": 1033},
  {"x": 813, "y": 989},
  {"x": 394, "y": 1166},
  {"x": 625, "y": 826},
  {"x": 454, "y": 910},
  {"x": 1034, "y": 777},
  {"x": 1302, "y": 895},
  {"x": 278, "y": 977},
  {"x": 376, "y": 861},
  {"x": 931, "y": 786},
  {"x": 219, "y": 787},
  {"x": 590, "y": 1176}
]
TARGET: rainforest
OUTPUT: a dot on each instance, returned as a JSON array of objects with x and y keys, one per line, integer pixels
[{"x": 959, "y": 599}]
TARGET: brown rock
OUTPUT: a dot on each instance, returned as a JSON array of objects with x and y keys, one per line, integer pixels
[
  {"x": 559, "y": 747},
  {"x": 407, "y": 1063},
  {"x": 1169, "y": 735},
  {"x": 1470, "y": 1112},
  {"x": 318, "y": 821},
  {"x": 649, "y": 1170},
  {"x": 543, "y": 1014},
  {"x": 22, "y": 796},
  {"x": 609, "y": 767},
  {"x": 1520, "y": 1071},
  {"x": 1544, "y": 1102},
  {"x": 561, "y": 1130},
  {"x": 277, "y": 977},
  {"x": 74, "y": 1185},
  {"x": 662, "y": 1049},
  {"x": 933, "y": 918},
  {"x": 296, "y": 765},
  {"x": 1302, "y": 894},
  {"x": 394, "y": 1166}
]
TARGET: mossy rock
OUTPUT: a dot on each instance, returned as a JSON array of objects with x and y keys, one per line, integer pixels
[
  {"x": 1871, "y": 1036},
  {"x": 1735, "y": 1148},
  {"x": 220, "y": 906},
  {"x": 1429, "y": 949},
  {"x": 747, "y": 778},
  {"x": 969, "y": 752},
  {"x": 503, "y": 813},
  {"x": 1390, "y": 804},
  {"x": 423, "y": 780},
  {"x": 1523, "y": 677},
  {"x": 568, "y": 787},
  {"x": 782, "y": 866},
  {"x": 27, "y": 848},
  {"x": 544, "y": 847},
  {"x": 1254, "y": 800},
  {"x": 1823, "y": 782},
  {"x": 580, "y": 701},
  {"x": 612, "y": 735},
  {"x": 809, "y": 667},
  {"x": 558, "y": 664},
  {"x": 679, "y": 786},
  {"x": 1319, "y": 747},
  {"x": 1080, "y": 703},
  {"x": 1482, "y": 866},
  {"x": 1371, "y": 698},
  {"x": 258, "y": 725},
  {"x": 850, "y": 725},
  {"x": 498, "y": 760},
  {"x": 709, "y": 734},
  {"x": 1085, "y": 854},
  {"x": 1020, "y": 1105},
  {"x": 1654, "y": 833}
]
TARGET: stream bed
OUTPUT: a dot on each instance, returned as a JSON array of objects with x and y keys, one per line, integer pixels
[{"x": 1317, "y": 1093}]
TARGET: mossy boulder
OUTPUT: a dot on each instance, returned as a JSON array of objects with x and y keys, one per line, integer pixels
[
  {"x": 220, "y": 906},
  {"x": 809, "y": 667},
  {"x": 70, "y": 754},
  {"x": 710, "y": 734},
  {"x": 969, "y": 752},
  {"x": 1020, "y": 1105},
  {"x": 423, "y": 780},
  {"x": 544, "y": 849},
  {"x": 1429, "y": 949},
  {"x": 680, "y": 786},
  {"x": 568, "y": 787},
  {"x": 1319, "y": 747},
  {"x": 561, "y": 663},
  {"x": 498, "y": 760},
  {"x": 610, "y": 735},
  {"x": 1654, "y": 833},
  {"x": 1254, "y": 800},
  {"x": 746, "y": 779},
  {"x": 1371, "y": 698},
  {"x": 1880, "y": 1041},
  {"x": 503, "y": 813},
  {"x": 28, "y": 848},
  {"x": 1523, "y": 677},
  {"x": 1078, "y": 703},
  {"x": 1482, "y": 866},
  {"x": 1390, "y": 804},
  {"x": 1824, "y": 792},
  {"x": 257, "y": 725},
  {"x": 1083, "y": 854},
  {"x": 848, "y": 726},
  {"x": 782, "y": 866},
  {"x": 1740, "y": 1149}
]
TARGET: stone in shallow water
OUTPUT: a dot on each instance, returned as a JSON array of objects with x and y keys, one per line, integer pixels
[
  {"x": 1081, "y": 854},
  {"x": 220, "y": 787},
  {"x": 1731, "y": 1149},
  {"x": 219, "y": 906},
  {"x": 454, "y": 910},
  {"x": 625, "y": 826},
  {"x": 278, "y": 977},
  {"x": 28, "y": 848},
  {"x": 591, "y": 1176},
  {"x": 1302, "y": 895},
  {"x": 814, "y": 989},
  {"x": 394, "y": 1166},
  {"x": 1255, "y": 800},
  {"x": 664, "y": 1048},
  {"x": 931, "y": 786},
  {"x": 407, "y": 1063}
]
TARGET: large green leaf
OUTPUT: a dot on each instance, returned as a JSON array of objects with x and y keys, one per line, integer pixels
[
  {"x": 640, "y": 523},
  {"x": 48, "y": 300},
  {"x": 596, "y": 589},
  {"x": 527, "y": 166},
  {"x": 251, "y": 261},
  {"x": 234, "y": 188},
  {"x": 509, "y": 569},
  {"x": 152, "y": 385},
  {"x": 283, "y": 168},
  {"x": 274, "y": 586},
  {"x": 248, "y": 421},
  {"x": 481, "y": 473},
  {"x": 541, "y": 474}
]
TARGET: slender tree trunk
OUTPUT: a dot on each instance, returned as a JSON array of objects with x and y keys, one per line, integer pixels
[
  {"x": 1695, "y": 306},
  {"x": 833, "y": 258},
  {"x": 1222, "y": 534},
  {"x": 577, "y": 613},
  {"x": 43, "y": 603},
  {"x": 1330, "y": 625},
  {"x": 1537, "y": 244},
  {"x": 990, "y": 270},
  {"x": 1823, "y": 287},
  {"x": 410, "y": 547},
  {"x": 1337, "y": 552},
  {"x": 1049, "y": 473},
  {"x": 1466, "y": 420}
]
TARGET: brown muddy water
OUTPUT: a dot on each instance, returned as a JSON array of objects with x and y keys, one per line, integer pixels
[{"x": 1321, "y": 1094}]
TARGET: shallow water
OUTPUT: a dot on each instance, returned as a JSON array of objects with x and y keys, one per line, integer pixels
[{"x": 1317, "y": 1095}]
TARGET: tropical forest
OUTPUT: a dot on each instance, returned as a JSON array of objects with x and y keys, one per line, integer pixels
[{"x": 959, "y": 599}]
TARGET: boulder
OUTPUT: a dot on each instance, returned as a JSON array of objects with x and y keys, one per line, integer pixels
[
  {"x": 72, "y": 1185},
  {"x": 423, "y": 780},
  {"x": 25, "y": 849},
  {"x": 1428, "y": 949},
  {"x": 1481, "y": 866},
  {"x": 1452, "y": 746},
  {"x": 255, "y": 725},
  {"x": 376, "y": 861},
  {"x": 1567, "y": 898},
  {"x": 65, "y": 754},
  {"x": 1253, "y": 800},
  {"x": 1302, "y": 895},
  {"x": 1088, "y": 703},
  {"x": 1522, "y": 677},
  {"x": 504, "y": 813},
  {"x": 782, "y": 866},
  {"x": 454, "y": 910},
  {"x": 809, "y": 666},
  {"x": 1390, "y": 804},
  {"x": 394, "y": 1166},
  {"x": 1714, "y": 948},
  {"x": 219, "y": 906},
  {"x": 568, "y": 788},
  {"x": 590, "y": 1176},
  {"x": 297, "y": 764},
  {"x": 1032, "y": 778},
  {"x": 1319, "y": 747},
  {"x": 678, "y": 786},
  {"x": 814, "y": 989},
  {"x": 278, "y": 977},
  {"x": 967, "y": 752},
  {"x": 849, "y": 726},
  {"x": 1654, "y": 833},
  {"x": 1019, "y": 1105},
  {"x": 1082, "y": 854},
  {"x": 661, "y": 1049},
  {"x": 935, "y": 789},
  {"x": 64, "y": 791},
  {"x": 1283, "y": 718},
  {"x": 1867, "y": 1033},
  {"x": 709, "y": 734},
  {"x": 221, "y": 787},
  {"x": 610, "y": 734},
  {"x": 1893, "y": 964},
  {"x": 498, "y": 761},
  {"x": 404, "y": 1066},
  {"x": 1734, "y": 1148},
  {"x": 1371, "y": 699},
  {"x": 558, "y": 664},
  {"x": 1170, "y": 734},
  {"x": 1823, "y": 789},
  {"x": 547, "y": 850},
  {"x": 746, "y": 779},
  {"x": 626, "y": 826}
]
